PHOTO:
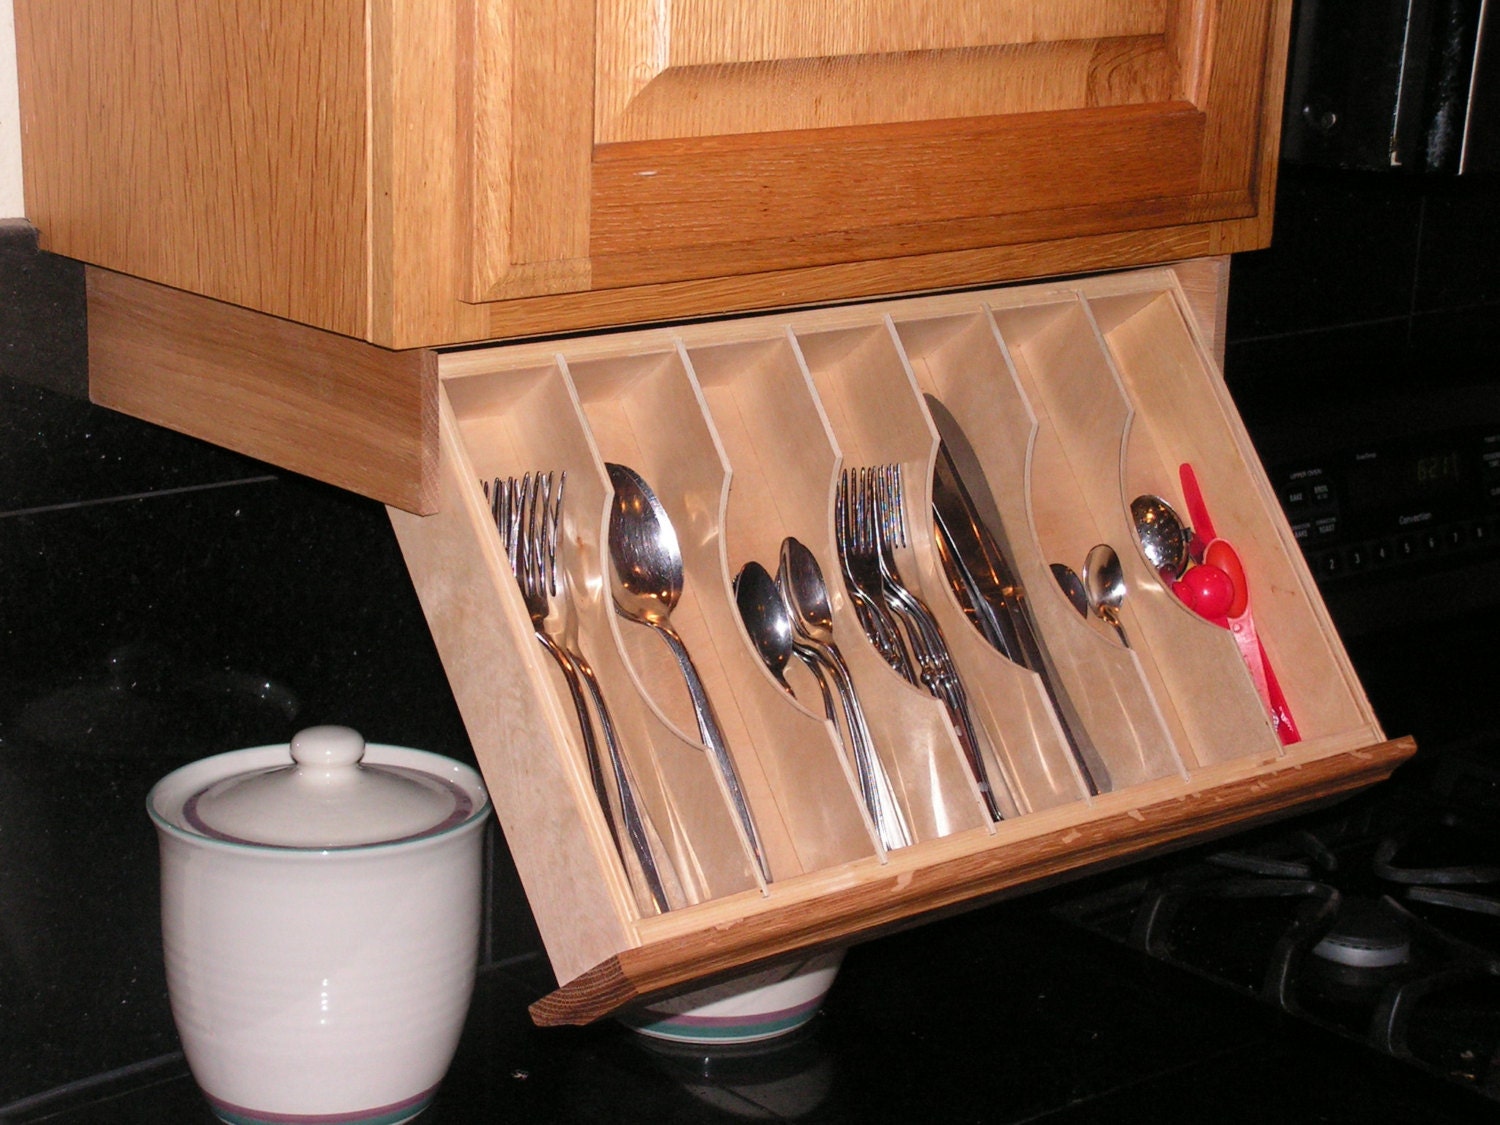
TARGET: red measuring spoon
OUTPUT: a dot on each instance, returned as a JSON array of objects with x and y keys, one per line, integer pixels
[{"x": 1237, "y": 618}]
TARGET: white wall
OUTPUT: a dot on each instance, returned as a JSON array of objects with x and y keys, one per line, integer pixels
[{"x": 11, "y": 206}]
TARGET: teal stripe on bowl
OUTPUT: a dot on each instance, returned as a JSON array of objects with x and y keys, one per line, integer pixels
[{"x": 761, "y": 1025}]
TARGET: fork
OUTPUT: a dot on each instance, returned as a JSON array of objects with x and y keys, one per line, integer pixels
[
  {"x": 528, "y": 515},
  {"x": 876, "y": 498},
  {"x": 850, "y": 519}
]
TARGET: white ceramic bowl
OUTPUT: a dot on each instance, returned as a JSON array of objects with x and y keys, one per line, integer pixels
[
  {"x": 325, "y": 984},
  {"x": 745, "y": 1009}
]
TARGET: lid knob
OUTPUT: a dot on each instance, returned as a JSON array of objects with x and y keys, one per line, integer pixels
[{"x": 328, "y": 747}]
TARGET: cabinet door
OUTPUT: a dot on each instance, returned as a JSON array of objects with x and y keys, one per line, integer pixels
[{"x": 616, "y": 143}]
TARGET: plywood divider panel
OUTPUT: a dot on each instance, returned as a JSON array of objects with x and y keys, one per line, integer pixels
[
  {"x": 764, "y": 412},
  {"x": 1072, "y": 478},
  {"x": 1191, "y": 419},
  {"x": 652, "y": 416},
  {"x": 1198, "y": 677},
  {"x": 515, "y": 722},
  {"x": 531, "y": 422},
  {"x": 961, "y": 360},
  {"x": 878, "y": 422}
]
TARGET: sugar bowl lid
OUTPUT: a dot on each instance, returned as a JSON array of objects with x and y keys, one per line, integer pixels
[{"x": 327, "y": 796}]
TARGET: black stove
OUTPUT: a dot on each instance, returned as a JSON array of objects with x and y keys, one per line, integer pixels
[{"x": 1378, "y": 919}]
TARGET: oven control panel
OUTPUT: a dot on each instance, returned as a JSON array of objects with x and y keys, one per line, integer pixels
[{"x": 1407, "y": 504}]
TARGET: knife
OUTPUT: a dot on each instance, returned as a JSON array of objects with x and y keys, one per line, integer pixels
[{"x": 967, "y": 523}]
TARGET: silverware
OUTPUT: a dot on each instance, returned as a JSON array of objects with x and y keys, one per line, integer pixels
[
  {"x": 527, "y": 513},
  {"x": 1072, "y": 588},
  {"x": 800, "y": 579},
  {"x": 1162, "y": 535},
  {"x": 1004, "y": 620},
  {"x": 872, "y": 528},
  {"x": 1104, "y": 579},
  {"x": 768, "y": 620},
  {"x": 851, "y": 516},
  {"x": 970, "y": 548},
  {"x": 647, "y": 565}
]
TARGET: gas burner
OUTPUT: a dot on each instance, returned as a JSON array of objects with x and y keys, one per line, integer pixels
[{"x": 1365, "y": 935}]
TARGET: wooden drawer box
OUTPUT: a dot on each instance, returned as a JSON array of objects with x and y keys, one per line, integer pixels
[{"x": 1076, "y": 397}]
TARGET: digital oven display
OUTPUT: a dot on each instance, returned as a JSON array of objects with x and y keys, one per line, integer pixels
[
  {"x": 1390, "y": 479},
  {"x": 1424, "y": 500}
]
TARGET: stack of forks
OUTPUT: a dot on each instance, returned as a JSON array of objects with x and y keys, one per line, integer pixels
[
  {"x": 528, "y": 514},
  {"x": 870, "y": 520}
]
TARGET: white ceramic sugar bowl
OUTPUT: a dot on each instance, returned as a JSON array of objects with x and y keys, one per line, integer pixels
[{"x": 320, "y": 924}]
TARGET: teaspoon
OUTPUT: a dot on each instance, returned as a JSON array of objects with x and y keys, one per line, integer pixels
[
  {"x": 1161, "y": 534},
  {"x": 647, "y": 564},
  {"x": 801, "y": 580},
  {"x": 1072, "y": 587},
  {"x": 1104, "y": 579},
  {"x": 767, "y": 619}
]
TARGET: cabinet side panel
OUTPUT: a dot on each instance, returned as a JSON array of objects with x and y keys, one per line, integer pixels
[
  {"x": 213, "y": 147},
  {"x": 334, "y": 408}
]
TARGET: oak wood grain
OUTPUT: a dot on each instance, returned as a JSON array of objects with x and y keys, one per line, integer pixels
[
  {"x": 718, "y": 205},
  {"x": 431, "y": 172},
  {"x": 527, "y": 132},
  {"x": 820, "y": 92},
  {"x": 331, "y": 407},
  {"x": 816, "y": 285},
  {"x": 218, "y": 148}
]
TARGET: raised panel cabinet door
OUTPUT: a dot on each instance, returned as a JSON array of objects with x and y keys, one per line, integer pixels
[{"x": 616, "y": 143}]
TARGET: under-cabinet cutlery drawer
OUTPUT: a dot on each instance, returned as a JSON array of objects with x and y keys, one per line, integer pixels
[{"x": 1122, "y": 734}]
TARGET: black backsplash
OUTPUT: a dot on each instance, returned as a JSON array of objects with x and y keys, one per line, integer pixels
[{"x": 161, "y": 599}]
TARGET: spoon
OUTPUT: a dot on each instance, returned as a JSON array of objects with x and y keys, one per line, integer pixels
[
  {"x": 1104, "y": 579},
  {"x": 767, "y": 619},
  {"x": 1241, "y": 623},
  {"x": 1072, "y": 587},
  {"x": 1161, "y": 534},
  {"x": 647, "y": 564},
  {"x": 1220, "y": 554},
  {"x": 800, "y": 579}
]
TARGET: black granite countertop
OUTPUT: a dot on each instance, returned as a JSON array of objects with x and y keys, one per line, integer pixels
[{"x": 1004, "y": 1015}]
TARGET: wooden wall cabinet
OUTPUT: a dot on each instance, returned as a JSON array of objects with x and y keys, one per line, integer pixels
[{"x": 418, "y": 175}]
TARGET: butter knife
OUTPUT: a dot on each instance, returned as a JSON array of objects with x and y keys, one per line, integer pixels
[{"x": 979, "y": 571}]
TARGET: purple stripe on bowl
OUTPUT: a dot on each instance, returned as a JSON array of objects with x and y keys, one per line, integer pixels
[{"x": 403, "y": 1110}]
